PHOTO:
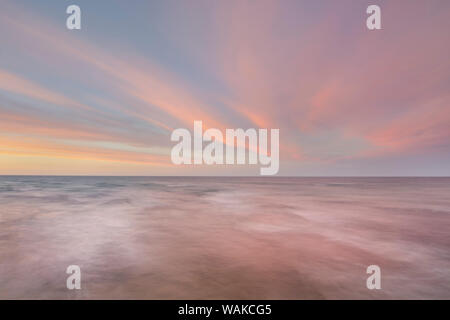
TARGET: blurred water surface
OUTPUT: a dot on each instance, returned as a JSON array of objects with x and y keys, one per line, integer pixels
[{"x": 224, "y": 238}]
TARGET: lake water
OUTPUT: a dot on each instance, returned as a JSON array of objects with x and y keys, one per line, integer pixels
[{"x": 224, "y": 238}]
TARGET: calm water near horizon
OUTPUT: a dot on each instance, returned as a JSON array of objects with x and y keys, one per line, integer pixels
[{"x": 224, "y": 237}]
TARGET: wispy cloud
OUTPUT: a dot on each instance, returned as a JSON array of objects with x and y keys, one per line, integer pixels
[{"x": 336, "y": 91}]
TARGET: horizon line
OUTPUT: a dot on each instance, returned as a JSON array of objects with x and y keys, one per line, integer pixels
[{"x": 224, "y": 176}]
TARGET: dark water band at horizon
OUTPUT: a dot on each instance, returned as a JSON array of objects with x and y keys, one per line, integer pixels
[{"x": 224, "y": 237}]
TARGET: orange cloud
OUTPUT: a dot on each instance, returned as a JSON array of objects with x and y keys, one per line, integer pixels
[{"x": 38, "y": 147}]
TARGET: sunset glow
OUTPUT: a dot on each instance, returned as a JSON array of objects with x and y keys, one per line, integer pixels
[{"x": 104, "y": 100}]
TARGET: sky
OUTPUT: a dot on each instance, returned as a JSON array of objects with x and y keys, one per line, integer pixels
[{"x": 104, "y": 100}]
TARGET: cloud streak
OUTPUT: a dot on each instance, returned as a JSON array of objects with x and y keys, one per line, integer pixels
[{"x": 336, "y": 91}]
